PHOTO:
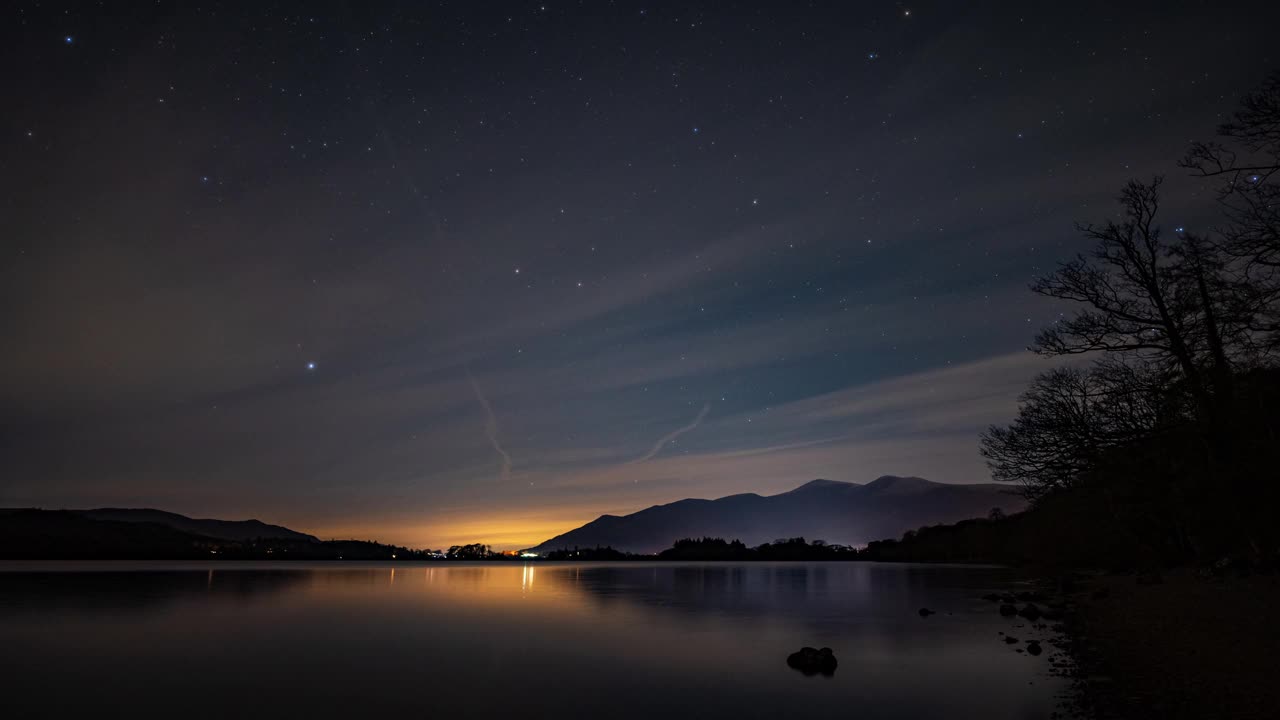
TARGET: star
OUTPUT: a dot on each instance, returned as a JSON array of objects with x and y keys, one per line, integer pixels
[
  {"x": 68, "y": 39},
  {"x": 311, "y": 366}
]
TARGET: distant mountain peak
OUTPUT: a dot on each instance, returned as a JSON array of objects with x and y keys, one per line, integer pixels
[
  {"x": 898, "y": 482},
  {"x": 820, "y": 483}
]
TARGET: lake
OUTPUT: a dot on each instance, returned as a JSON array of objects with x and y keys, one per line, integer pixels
[{"x": 630, "y": 640}]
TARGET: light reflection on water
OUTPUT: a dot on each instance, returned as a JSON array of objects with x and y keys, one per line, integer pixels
[{"x": 622, "y": 640}]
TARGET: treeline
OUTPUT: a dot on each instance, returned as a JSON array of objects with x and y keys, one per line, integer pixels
[
  {"x": 784, "y": 549},
  {"x": 1160, "y": 444},
  {"x": 1062, "y": 530},
  {"x": 714, "y": 548}
]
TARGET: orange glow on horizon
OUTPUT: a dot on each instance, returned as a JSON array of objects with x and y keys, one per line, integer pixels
[{"x": 502, "y": 532}]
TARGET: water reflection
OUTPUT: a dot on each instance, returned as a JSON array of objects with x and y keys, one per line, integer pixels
[
  {"x": 626, "y": 640},
  {"x": 58, "y": 592}
]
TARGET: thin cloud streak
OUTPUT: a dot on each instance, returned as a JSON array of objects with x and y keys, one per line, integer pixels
[
  {"x": 491, "y": 427},
  {"x": 673, "y": 435}
]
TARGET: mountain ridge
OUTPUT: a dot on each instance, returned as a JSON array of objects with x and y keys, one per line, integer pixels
[
  {"x": 35, "y": 534},
  {"x": 238, "y": 530},
  {"x": 840, "y": 512}
]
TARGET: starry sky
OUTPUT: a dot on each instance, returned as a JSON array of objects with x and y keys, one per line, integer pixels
[{"x": 436, "y": 273}]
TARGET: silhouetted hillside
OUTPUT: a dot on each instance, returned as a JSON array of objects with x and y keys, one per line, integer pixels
[
  {"x": 222, "y": 529},
  {"x": 839, "y": 512},
  {"x": 1049, "y": 535},
  {"x": 62, "y": 534},
  {"x": 28, "y": 534}
]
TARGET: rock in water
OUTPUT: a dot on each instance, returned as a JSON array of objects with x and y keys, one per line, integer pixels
[
  {"x": 812, "y": 662},
  {"x": 926, "y": 612},
  {"x": 1033, "y": 647},
  {"x": 1030, "y": 612}
]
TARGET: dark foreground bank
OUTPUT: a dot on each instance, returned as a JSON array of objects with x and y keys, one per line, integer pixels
[{"x": 1179, "y": 645}]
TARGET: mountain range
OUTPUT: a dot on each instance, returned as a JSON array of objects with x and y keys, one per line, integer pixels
[{"x": 843, "y": 513}]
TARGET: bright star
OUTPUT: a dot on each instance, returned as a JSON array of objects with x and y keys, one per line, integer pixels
[
  {"x": 68, "y": 39},
  {"x": 311, "y": 366}
]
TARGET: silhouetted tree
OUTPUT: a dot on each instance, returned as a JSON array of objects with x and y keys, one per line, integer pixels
[
  {"x": 1170, "y": 436},
  {"x": 1247, "y": 160},
  {"x": 1067, "y": 420},
  {"x": 474, "y": 551},
  {"x": 1134, "y": 301}
]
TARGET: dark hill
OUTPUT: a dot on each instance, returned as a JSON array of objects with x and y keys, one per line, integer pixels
[
  {"x": 32, "y": 534},
  {"x": 65, "y": 534},
  {"x": 221, "y": 529}
]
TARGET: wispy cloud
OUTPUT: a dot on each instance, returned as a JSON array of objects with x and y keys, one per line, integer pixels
[
  {"x": 657, "y": 447},
  {"x": 924, "y": 423},
  {"x": 491, "y": 427}
]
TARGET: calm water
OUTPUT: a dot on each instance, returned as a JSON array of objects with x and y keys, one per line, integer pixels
[{"x": 505, "y": 640}]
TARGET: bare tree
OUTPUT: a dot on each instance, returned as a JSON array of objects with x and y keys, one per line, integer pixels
[
  {"x": 1247, "y": 160},
  {"x": 1135, "y": 300},
  {"x": 1068, "y": 419}
]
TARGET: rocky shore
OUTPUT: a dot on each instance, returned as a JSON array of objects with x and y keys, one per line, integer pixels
[{"x": 1191, "y": 645}]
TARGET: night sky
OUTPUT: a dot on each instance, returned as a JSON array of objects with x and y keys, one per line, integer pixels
[{"x": 435, "y": 273}]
